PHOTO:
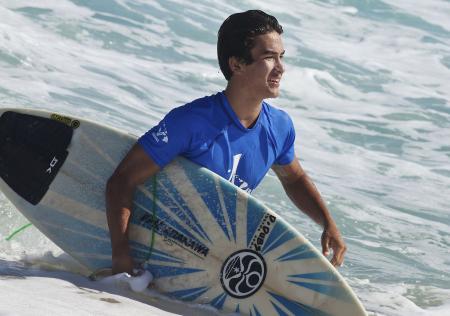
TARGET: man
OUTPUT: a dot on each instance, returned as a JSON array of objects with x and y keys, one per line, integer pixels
[{"x": 233, "y": 133}]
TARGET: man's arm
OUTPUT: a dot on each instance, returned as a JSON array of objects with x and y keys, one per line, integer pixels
[
  {"x": 134, "y": 169},
  {"x": 304, "y": 194}
]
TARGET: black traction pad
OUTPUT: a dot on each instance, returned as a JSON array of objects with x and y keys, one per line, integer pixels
[{"x": 32, "y": 150}]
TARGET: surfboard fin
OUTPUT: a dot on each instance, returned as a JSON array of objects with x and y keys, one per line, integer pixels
[{"x": 32, "y": 150}]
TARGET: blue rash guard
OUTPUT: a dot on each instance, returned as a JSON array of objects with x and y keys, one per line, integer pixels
[{"x": 208, "y": 132}]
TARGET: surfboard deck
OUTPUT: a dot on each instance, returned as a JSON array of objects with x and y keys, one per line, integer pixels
[{"x": 203, "y": 239}]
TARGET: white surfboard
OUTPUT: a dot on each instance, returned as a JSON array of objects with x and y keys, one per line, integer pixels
[{"x": 203, "y": 239}]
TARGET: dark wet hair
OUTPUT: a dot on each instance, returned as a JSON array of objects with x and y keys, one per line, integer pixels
[{"x": 237, "y": 34}]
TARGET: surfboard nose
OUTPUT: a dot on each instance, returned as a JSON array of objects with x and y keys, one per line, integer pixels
[{"x": 32, "y": 150}]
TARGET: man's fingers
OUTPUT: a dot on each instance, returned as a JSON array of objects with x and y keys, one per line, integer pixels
[
  {"x": 336, "y": 261},
  {"x": 325, "y": 247},
  {"x": 338, "y": 255}
]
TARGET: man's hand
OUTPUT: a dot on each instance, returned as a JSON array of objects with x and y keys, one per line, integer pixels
[{"x": 331, "y": 238}]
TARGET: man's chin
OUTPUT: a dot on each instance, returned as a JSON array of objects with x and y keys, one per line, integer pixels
[{"x": 273, "y": 93}]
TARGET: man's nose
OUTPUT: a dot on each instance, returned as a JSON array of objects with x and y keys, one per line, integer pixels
[{"x": 280, "y": 65}]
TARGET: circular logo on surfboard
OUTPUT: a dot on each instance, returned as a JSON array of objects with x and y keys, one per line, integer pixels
[{"x": 243, "y": 273}]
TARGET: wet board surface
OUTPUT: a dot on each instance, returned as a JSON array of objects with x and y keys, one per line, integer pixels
[{"x": 204, "y": 240}]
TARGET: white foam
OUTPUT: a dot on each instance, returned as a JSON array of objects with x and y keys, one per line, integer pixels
[
  {"x": 398, "y": 297},
  {"x": 137, "y": 283},
  {"x": 28, "y": 288}
]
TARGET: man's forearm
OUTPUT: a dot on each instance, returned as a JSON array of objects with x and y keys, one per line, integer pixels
[
  {"x": 118, "y": 210},
  {"x": 132, "y": 171},
  {"x": 304, "y": 194},
  {"x": 306, "y": 197}
]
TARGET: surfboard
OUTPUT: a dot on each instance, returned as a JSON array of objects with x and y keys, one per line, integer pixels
[{"x": 203, "y": 239}]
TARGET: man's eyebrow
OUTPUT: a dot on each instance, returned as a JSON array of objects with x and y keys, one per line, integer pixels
[{"x": 272, "y": 52}]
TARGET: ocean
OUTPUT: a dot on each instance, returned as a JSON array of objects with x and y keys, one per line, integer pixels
[{"x": 367, "y": 84}]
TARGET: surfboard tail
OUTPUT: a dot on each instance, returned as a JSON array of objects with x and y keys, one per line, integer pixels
[{"x": 32, "y": 150}]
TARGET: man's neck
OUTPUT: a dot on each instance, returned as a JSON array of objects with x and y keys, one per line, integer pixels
[{"x": 246, "y": 106}]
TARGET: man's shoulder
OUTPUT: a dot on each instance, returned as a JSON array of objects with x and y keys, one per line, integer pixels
[
  {"x": 201, "y": 107},
  {"x": 281, "y": 132},
  {"x": 201, "y": 114},
  {"x": 277, "y": 116},
  {"x": 203, "y": 104}
]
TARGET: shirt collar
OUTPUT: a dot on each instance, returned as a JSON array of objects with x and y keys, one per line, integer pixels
[{"x": 234, "y": 117}]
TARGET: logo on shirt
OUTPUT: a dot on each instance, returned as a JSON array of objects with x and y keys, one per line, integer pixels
[
  {"x": 235, "y": 179},
  {"x": 161, "y": 134}
]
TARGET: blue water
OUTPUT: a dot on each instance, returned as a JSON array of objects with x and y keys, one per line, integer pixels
[{"x": 367, "y": 84}]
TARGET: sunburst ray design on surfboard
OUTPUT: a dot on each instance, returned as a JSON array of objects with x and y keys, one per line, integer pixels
[
  {"x": 203, "y": 239},
  {"x": 196, "y": 220}
]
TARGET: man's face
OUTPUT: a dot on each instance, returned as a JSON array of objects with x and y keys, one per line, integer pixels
[{"x": 262, "y": 77}]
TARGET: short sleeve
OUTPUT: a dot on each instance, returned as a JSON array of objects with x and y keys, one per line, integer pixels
[
  {"x": 287, "y": 154},
  {"x": 168, "y": 139}
]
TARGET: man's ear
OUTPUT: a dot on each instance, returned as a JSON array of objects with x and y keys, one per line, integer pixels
[{"x": 236, "y": 65}]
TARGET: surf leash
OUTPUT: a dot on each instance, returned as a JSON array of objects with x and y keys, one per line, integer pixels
[
  {"x": 152, "y": 241},
  {"x": 14, "y": 233}
]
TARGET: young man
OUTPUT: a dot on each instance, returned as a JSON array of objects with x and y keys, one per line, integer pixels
[{"x": 233, "y": 133}]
